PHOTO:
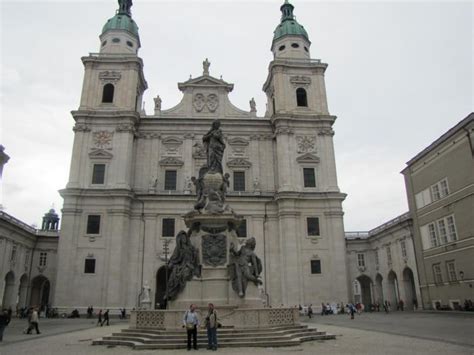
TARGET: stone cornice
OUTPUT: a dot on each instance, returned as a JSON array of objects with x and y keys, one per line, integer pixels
[
  {"x": 310, "y": 195},
  {"x": 111, "y": 192}
]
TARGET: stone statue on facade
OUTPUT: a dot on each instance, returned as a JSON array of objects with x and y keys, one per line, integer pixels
[
  {"x": 145, "y": 301},
  {"x": 205, "y": 67},
  {"x": 253, "y": 105},
  {"x": 124, "y": 6},
  {"x": 182, "y": 266},
  {"x": 245, "y": 266},
  {"x": 157, "y": 100},
  {"x": 214, "y": 144}
]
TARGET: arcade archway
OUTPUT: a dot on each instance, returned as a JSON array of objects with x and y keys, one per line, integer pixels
[
  {"x": 23, "y": 291},
  {"x": 409, "y": 287},
  {"x": 40, "y": 287},
  {"x": 379, "y": 289},
  {"x": 366, "y": 290},
  {"x": 392, "y": 289},
  {"x": 9, "y": 294},
  {"x": 160, "y": 292}
]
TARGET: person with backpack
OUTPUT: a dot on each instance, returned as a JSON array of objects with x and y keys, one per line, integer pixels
[{"x": 211, "y": 326}]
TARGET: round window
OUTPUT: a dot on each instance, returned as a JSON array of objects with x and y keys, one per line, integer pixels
[
  {"x": 281, "y": 48},
  {"x": 104, "y": 43},
  {"x": 306, "y": 49},
  {"x": 295, "y": 45},
  {"x": 116, "y": 40},
  {"x": 130, "y": 44}
]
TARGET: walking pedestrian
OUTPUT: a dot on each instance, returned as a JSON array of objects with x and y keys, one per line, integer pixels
[
  {"x": 323, "y": 309},
  {"x": 34, "y": 320},
  {"x": 310, "y": 311},
  {"x": 211, "y": 325},
  {"x": 191, "y": 322},
  {"x": 99, "y": 318},
  {"x": 352, "y": 310},
  {"x": 415, "y": 304},
  {"x": 106, "y": 318},
  {"x": 4, "y": 321}
]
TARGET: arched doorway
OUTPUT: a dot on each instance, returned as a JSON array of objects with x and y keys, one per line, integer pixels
[
  {"x": 9, "y": 294},
  {"x": 366, "y": 290},
  {"x": 22, "y": 291},
  {"x": 409, "y": 287},
  {"x": 379, "y": 289},
  {"x": 40, "y": 287},
  {"x": 160, "y": 292},
  {"x": 392, "y": 289}
]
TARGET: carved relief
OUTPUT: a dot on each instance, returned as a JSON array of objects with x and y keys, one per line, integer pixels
[
  {"x": 239, "y": 163},
  {"x": 284, "y": 130},
  {"x": 172, "y": 145},
  {"x": 103, "y": 139},
  {"x": 325, "y": 132},
  {"x": 199, "y": 102},
  {"x": 299, "y": 81},
  {"x": 214, "y": 249},
  {"x": 212, "y": 102},
  {"x": 306, "y": 144},
  {"x": 125, "y": 127},
  {"x": 239, "y": 146},
  {"x": 148, "y": 135},
  {"x": 198, "y": 151},
  {"x": 110, "y": 76},
  {"x": 171, "y": 161},
  {"x": 81, "y": 127}
]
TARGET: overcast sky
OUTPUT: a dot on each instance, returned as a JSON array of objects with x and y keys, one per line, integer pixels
[{"x": 400, "y": 74}]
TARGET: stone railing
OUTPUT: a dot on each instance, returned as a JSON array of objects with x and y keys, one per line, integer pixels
[{"x": 238, "y": 318}]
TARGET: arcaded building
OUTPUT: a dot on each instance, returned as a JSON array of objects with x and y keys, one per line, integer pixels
[
  {"x": 130, "y": 176},
  {"x": 440, "y": 189}
]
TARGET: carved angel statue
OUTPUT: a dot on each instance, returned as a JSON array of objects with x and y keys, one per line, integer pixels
[
  {"x": 157, "y": 100},
  {"x": 245, "y": 266},
  {"x": 183, "y": 265}
]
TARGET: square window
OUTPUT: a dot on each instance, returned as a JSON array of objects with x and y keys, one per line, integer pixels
[
  {"x": 313, "y": 226},
  {"x": 438, "y": 277},
  {"x": 309, "y": 177},
  {"x": 89, "y": 266},
  {"x": 170, "y": 180},
  {"x": 168, "y": 227},
  {"x": 242, "y": 230},
  {"x": 98, "y": 174},
  {"x": 451, "y": 270},
  {"x": 315, "y": 266},
  {"x": 361, "y": 260},
  {"x": 239, "y": 180},
  {"x": 93, "y": 224},
  {"x": 42, "y": 259}
]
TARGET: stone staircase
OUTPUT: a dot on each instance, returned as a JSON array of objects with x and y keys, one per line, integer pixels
[{"x": 277, "y": 336}]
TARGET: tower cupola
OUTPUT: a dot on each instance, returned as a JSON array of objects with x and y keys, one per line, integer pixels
[
  {"x": 290, "y": 39},
  {"x": 120, "y": 33}
]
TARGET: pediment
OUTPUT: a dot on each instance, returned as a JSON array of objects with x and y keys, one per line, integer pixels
[
  {"x": 238, "y": 141},
  {"x": 206, "y": 81},
  {"x": 308, "y": 158},
  {"x": 172, "y": 141},
  {"x": 171, "y": 161},
  {"x": 100, "y": 154},
  {"x": 239, "y": 163}
]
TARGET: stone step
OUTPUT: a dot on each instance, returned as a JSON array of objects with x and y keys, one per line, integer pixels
[
  {"x": 276, "y": 342},
  {"x": 221, "y": 330}
]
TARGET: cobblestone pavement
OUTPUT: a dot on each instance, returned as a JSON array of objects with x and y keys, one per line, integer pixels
[
  {"x": 449, "y": 327},
  {"x": 68, "y": 336}
]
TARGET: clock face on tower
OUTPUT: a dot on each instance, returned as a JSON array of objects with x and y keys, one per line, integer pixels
[{"x": 103, "y": 139}]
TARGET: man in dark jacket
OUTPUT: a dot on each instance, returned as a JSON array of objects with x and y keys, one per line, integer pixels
[{"x": 4, "y": 321}]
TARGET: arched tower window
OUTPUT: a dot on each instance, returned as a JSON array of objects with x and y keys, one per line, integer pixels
[
  {"x": 108, "y": 93},
  {"x": 301, "y": 98}
]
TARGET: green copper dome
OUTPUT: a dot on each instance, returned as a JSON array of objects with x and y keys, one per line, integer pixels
[
  {"x": 121, "y": 21},
  {"x": 288, "y": 24}
]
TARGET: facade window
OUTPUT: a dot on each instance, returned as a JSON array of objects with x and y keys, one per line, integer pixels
[
  {"x": 443, "y": 235},
  {"x": 451, "y": 229},
  {"x": 89, "y": 266},
  {"x": 170, "y": 180},
  {"x": 438, "y": 278},
  {"x": 444, "y": 187},
  {"x": 439, "y": 190},
  {"x": 423, "y": 198},
  {"x": 167, "y": 229},
  {"x": 451, "y": 270},
  {"x": 93, "y": 224},
  {"x": 43, "y": 258},
  {"x": 376, "y": 258},
  {"x": 315, "y": 266},
  {"x": 242, "y": 230},
  {"x": 98, "y": 174},
  {"x": 108, "y": 93},
  {"x": 13, "y": 253},
  {"x": 435, "y": 194},
  {"x": 309, "y": 177},
  {"x": 313, "y": 226},
  {"x": 301, "y": 97},
  {"x": 361, "y": 260},
  {"x": 433, "y": 236},
  {"x": 389, "y": 256},
  {"x": 239, "y": 180},
  {"x": 403, "y": 246}
]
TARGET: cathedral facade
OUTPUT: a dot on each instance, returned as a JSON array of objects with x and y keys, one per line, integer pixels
[{"x": 130, "y": 179}]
